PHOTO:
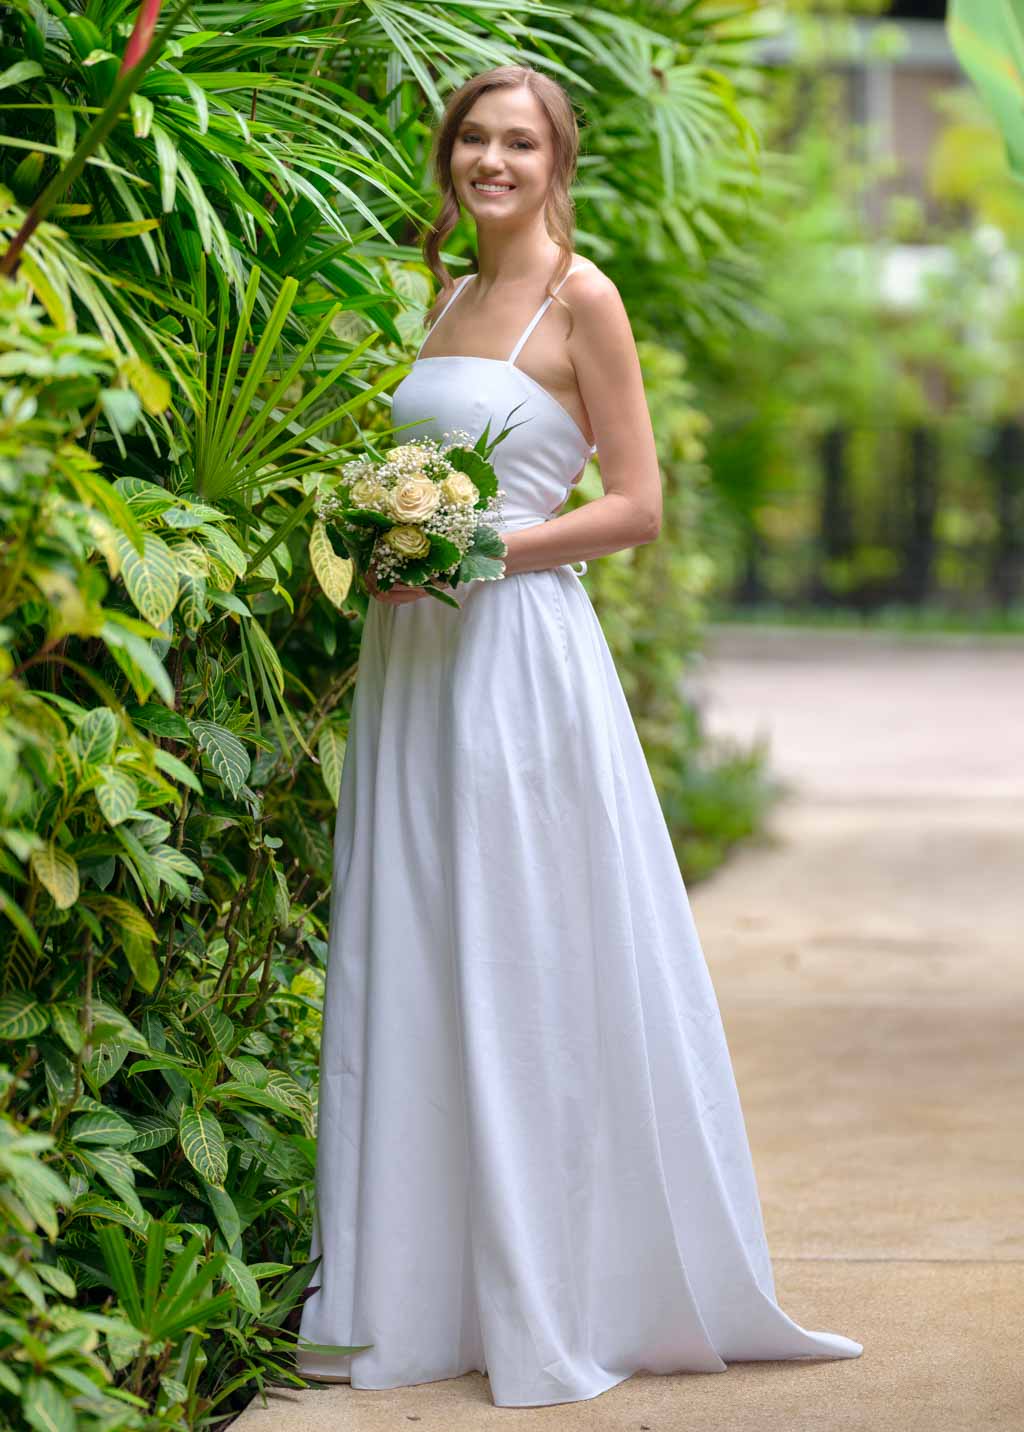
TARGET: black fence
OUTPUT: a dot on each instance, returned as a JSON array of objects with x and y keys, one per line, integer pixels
[{"x": 867, "y": 517}]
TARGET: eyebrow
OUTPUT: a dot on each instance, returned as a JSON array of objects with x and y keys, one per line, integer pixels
[{"x": 513, "y": 129}]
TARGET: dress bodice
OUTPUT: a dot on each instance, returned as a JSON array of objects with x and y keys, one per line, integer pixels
[{"x": 538, "y": 461}]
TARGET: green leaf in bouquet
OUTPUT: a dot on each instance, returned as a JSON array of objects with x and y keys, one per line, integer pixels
[
  {"x": 484, "y": 559},
  {"x": 367, "y": 517},
  {"x": 443, "y": 554},
  {"x": 442, "y": 595},
  {"x": 484, "y": 445}
]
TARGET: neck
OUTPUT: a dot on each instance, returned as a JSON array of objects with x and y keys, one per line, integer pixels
[{"x": 511, "y": 255}]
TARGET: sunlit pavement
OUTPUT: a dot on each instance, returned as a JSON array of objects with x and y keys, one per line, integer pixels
[{"x": 868, "y": 961}]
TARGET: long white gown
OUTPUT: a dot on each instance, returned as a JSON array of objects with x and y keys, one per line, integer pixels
[{"x": 532, "y": 1160}]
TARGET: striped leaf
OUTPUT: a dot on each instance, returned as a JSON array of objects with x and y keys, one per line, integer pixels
[
  {"x": 152, "y": 579},
  {"x": 202, "y": 1142},
  {"x": 106, "y": 1061},
  {"x": 176, "y": 860},
  {"x": 194, "y": 515},
  {"x": 224, "y": 751},
  {"x": 106, "y": 1128},
  {"x": 116, "y": 1172},
  {"x": 93, "y": 1205},
  {"x": 331, "y": 750},
  {"x": 226, "y": 548},
  {"x": 21, "y": 1017},
  {"x": 123, "y": 915},
  {"x": 334, "y": 573},
  {"x": 95, "y": 736},
  {"x": 219, "y": 1029},
  {"x": 117, "y": 794},
  {"x": 152, "y": 1131},
  {"x": 192, "y": 607},
  {"x": 145, "y": 499},
  {"x": 109, "y": 1019},
  {"x": 57, "y": 872},
  {"x": 248, "y": 1070}
]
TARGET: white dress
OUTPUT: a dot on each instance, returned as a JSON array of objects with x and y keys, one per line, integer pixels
[{"x": 532, "y": 1160}]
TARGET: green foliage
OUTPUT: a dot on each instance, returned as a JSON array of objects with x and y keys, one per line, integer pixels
[
  {"x": 206, "y": 322},
  {"x": 833, "y": 345},
  {"x": 989, "y": 42},
  {"x": 652, "y": 604}
]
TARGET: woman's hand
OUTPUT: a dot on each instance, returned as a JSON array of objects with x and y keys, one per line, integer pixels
[{"x": 400, "y": 592}]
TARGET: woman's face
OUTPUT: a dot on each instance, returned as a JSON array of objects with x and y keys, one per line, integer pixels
[{"x": 503, "y": 156}]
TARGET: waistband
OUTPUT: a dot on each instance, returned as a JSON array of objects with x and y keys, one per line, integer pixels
[{"x": 531, "y": 519}]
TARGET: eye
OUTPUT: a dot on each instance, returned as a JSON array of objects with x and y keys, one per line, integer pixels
[{"x": 469, "y": 135}]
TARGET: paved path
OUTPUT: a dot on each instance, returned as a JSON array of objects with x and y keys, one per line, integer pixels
[{"x": 867, "y": 957}]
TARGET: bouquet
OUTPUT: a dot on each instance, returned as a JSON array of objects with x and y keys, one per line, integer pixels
[{"x": 422, "y": 513}]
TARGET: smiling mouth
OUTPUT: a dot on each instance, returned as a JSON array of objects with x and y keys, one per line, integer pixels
[{"x": 484, "y": 188}]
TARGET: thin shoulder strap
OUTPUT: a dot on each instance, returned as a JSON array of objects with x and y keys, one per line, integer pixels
[
  {"x": 540, "y": 314},
  {"x": 459, "y": 286}
]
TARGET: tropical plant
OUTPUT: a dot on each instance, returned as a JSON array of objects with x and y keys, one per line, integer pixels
[
  {"x": 989, "y": 42},
  {"x": 213, "y": 286}
]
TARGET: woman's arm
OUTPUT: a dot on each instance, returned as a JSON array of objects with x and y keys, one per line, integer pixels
[{"x": 603, "y": 352}]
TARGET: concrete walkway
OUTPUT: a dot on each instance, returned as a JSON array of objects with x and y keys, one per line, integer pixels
[{"x": 867, "y": 958}]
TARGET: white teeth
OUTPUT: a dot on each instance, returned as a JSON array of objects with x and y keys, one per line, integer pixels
[{"x": 492, "y": 188}]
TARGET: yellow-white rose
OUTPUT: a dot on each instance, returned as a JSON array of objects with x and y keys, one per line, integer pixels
[
  {"x": 407, "y": 541},
  {"x": 460, "y": 489},
  {"x": 415, "y": 498},
  {"x": 368, "y": 492}
]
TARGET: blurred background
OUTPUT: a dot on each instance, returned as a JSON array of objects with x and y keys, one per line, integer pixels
[{"x": 866, "y": 446}]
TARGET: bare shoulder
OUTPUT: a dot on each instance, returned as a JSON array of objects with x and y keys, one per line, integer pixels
[
  {"x": 599, "y": 317},
  {"x": 589, "y": 289}
]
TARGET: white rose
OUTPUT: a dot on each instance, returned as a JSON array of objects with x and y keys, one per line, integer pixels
[
  {"x": 460, "y": 488},
  {"x": 407, "y": 541},
  {"x": 415, "y": 498},
  {"x": 367, "y": 492}
]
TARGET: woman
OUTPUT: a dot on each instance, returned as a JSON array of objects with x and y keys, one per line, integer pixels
[{"x": 532, "y": 1160}]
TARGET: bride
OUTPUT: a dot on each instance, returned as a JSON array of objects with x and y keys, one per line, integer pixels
[{"x": 531, "y": 1161}]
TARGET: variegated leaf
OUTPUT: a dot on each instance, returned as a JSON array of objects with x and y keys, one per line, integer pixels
[
  {"x": 152, "y": 579},
  {"x": 95, "y": 736},
  {"x": 202, "y": 1142},
  {"x": 21, "y": 1017},
  {"x": 334, "y": 573},
  {"x": 57, "y": 872},
  {"x": 225, "y": 752},
  {"x": 117, "y": 794},
  {"x": 331, "y": 749}
]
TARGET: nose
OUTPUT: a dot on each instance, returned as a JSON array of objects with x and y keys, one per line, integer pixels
[{"x": 489, "y": 159}]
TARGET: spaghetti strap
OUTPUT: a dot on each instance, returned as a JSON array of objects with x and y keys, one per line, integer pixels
[
  {"x": 459, "y": 286},
  {"x": 539, "y": 315}
]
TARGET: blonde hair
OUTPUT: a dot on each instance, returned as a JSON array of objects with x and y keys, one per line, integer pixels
[{"x": 560, "y": 211}]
